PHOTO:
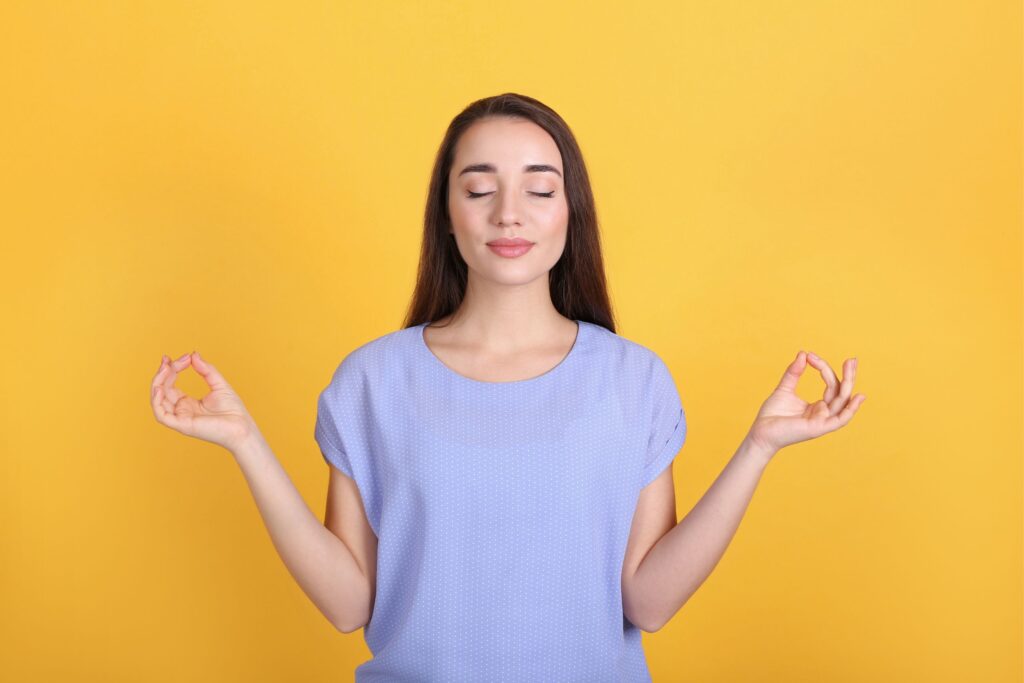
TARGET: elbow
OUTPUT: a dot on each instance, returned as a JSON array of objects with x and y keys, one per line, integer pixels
[
  {"x": 649, "y": 626},
  {"x": 355, "y": 619},
  {"x": 645, "y": 624},
  {"x": 348, "y": 622},
  {"x": 652, "y": 627},
  {"x": 652, "y": 622},
  {"x": 346, "y": 627}
]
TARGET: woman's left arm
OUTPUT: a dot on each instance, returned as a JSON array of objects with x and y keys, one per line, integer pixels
[{"x": 682, "y": 559}]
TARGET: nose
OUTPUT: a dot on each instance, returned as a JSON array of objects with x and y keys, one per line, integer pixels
[{"x": 506, "y": 209}]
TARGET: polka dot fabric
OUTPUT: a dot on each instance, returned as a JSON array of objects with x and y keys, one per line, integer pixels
[{"x": 502, "y": 509}]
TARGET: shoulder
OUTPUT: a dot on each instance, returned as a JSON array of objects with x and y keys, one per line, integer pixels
[
  {"x": 371, "y": 358},
  {"x": 628, "y": 354}
]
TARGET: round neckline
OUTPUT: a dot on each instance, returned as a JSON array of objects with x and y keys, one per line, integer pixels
[{"x": 546, "y": 375}]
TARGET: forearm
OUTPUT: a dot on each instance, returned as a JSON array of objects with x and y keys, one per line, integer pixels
[
  {"x": 318, "y": 560},
  {"x": 683, "y": 558}
]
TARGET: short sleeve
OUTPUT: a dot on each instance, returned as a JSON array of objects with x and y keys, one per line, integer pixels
[
  {"x": 668, "y": 422},
  {"x": 344, "y": 431}
]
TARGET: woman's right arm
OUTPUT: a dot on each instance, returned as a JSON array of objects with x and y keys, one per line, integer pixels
[
  {"x": 317, "y": 559},
  {"x": 320, "y": 562}
]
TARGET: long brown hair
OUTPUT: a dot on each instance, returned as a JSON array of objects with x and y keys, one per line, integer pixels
[{"x": 578, "y": 286}]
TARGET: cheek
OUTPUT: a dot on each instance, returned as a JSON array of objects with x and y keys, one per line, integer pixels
[
  {"x": 555, "y": 217},
  {"x": 460, "y": 215}
]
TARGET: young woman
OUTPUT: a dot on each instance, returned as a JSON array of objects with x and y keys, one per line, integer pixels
[{"x": 501, "y": 504}]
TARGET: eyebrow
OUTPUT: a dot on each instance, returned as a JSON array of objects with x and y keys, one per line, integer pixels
[{"x": 529, "y": 168}]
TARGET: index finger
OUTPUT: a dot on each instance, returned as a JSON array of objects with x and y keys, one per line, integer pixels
[
  {"x": 826, "y": 374},
  {"x": 160, "y": 371}
]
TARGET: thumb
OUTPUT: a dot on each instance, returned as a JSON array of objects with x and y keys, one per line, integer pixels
[
  {"x": 209, "y": 373},
  {"x": 791, "y": 377}
]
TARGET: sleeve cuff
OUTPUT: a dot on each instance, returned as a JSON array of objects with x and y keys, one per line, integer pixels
[
  {"x": 331, "y": 453},
  {"x": 666, "y": 455}
]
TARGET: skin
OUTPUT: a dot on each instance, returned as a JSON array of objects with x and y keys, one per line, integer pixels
[
  {"x": 671, "y": 569},
  {"x": 507, "y": 329},
  {"x": 330, "y": 561}
]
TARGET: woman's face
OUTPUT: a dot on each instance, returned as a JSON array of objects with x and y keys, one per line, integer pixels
[{"x": 516, "y": 168}]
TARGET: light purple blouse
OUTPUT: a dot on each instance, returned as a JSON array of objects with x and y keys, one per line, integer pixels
[{"x": 501, "y": 509}]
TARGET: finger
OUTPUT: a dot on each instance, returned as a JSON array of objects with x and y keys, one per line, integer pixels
[
  {"x": 831, "y": 384},
  {"x": 174, "y": 367},
  {"x": 845, "y": 386},
  {"x": 208, "y": 372},
  {"x": 846, "y": 414},
  {"x": 791, "y": 376},
  {"x": 160, "y": 370},
  {"x": 163, "y": 409},
  {"x": 820, "y": 411},
  {"x": 156, "y": 378}
]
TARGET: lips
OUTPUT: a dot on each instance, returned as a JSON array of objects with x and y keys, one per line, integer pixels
[
  {"x": 510, "y": 248},
  {"x": 509, "y": 242}
]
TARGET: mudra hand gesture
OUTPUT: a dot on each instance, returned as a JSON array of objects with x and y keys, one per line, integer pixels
[
  {"x": 219, "y": 417},
  {"x": 785, "y": 418}
]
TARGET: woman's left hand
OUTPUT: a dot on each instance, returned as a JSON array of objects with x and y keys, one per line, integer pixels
[{"x": 785, "y": 418}]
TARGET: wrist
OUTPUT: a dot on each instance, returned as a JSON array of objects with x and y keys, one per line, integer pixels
[
  {"x": 756, "y": 451},
  {"x": 250, "y": 439}
]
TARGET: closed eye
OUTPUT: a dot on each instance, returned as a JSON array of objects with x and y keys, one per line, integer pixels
[{"x": 547, "y": 195}]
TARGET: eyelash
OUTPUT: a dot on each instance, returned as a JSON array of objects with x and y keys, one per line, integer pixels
[{"x": 546, "y": 195}]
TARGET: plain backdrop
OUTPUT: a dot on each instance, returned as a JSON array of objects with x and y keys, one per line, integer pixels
[{"x": 248, "y": 179}]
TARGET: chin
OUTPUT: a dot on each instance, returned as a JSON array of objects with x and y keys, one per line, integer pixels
[
  {"x": 519, "y": 277},
  {"x": 511, "y": 273}
]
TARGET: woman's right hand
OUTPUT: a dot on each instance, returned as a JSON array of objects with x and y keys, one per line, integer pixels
[{"x": 219, "y": 417}]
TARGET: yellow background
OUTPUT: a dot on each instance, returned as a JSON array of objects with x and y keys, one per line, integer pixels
[{"x": 248, "y": 180}]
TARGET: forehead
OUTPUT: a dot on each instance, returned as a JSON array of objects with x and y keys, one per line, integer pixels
[{"x": 507, "y": 143}]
